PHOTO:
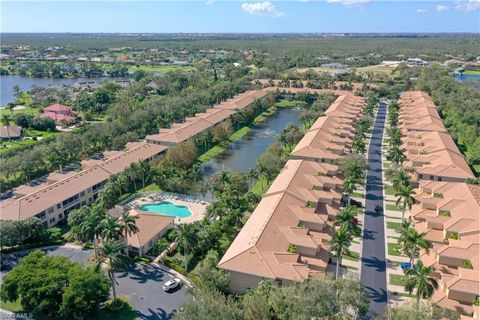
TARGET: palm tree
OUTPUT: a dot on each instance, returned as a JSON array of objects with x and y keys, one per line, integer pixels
[
  {"x": 112, "y": 251},
  {"x": 358, "y": 145},
  {"x": 396, "y": 155},
  {"x": 349, "y": 187},
  {"x": 421, "y": 277},
  {"x": 340, "y": 244},
  {"x": 132, "y": 172},
  {"x": 144, "y": 170},
  {"x": 398, "y": 177},
  {"x": 110, "y": 229},
  {"x": 346, "y": 220},
  {"x": 411, "y": 242},
  {"x": 128, "y": 224},
  {"x": 405, "y": 198},
  {"x": 186, "y": 238},
  {"x": 6, "y": 120},
  {"x": 119, "y": 183},
  {"x": 90, "y": 228},
  {"x": 107, "y": 198}
]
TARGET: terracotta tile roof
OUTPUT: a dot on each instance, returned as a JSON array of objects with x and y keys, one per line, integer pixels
[
  {"x": 150, "y": 225},
  {"x": 57, "y": 107}
]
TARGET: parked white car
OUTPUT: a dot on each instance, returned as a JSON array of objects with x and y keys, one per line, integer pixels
[{"x": 172, "y": 284}]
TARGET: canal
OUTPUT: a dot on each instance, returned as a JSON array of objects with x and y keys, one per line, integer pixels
[{"x": 242, "y": 154}]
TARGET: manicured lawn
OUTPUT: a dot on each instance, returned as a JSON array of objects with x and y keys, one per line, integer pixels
[
  {"x": 354, "y": 256},
  {"x": 289, "y": 103},
  {"x": 162, "y": 68},
  {"x": 43, "y": 134},
  {"x": 376, "y": 69},
  {"x": 393, "y": 225},
  {"x": 260, "y": 187},
  {"x": 211, "y": 153},
  {"x": 26, "y": 110},
  {"x": 393, "y": 207},
  {"x": 389, "y": 190},
  {"x": 150, "y": 187},
  {"x": 393, "y": 249},
  {"x": 242, "y": 132},
  {"x": 358, "y": 194},
  {"x": 11, "y": 306},
  {"x": 471, "y": 72},
  {"x": 397, "y": 279}
]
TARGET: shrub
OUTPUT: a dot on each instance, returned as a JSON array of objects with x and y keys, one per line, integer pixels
[
  {"x": 467, "y": 264},
  {"x": 292, "y": 248},
  {"x": 55, "y": 233},
  {"x": 124, "y": 197},
  {"x": 116, "y": 305},
  {"x": 171, "y": 234}
]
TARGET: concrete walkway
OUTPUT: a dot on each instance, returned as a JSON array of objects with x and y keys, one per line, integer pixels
[{"x": 373, "y": 263}]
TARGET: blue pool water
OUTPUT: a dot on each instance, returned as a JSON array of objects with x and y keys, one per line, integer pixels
[{"x": 167, "y": 208}]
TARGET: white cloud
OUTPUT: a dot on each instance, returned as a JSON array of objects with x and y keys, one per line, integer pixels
[
  {"x": 422, "y": 10},
  {"x": 262, "y": 9},
  {"x": 467, "y": 6},
  {"x": 441, "y": 8},
  {"x": 352, "y": 3},
  {"x": 210, "y": 2}
]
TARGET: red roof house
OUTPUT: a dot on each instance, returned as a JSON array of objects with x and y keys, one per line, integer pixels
[{"x": 60, "y": 113}]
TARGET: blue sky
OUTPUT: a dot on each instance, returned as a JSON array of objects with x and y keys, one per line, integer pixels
[{"x": 241, "y": 16}]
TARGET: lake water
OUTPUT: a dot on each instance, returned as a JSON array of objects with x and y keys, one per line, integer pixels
[
  {"x": 27, "y": 83},
  {"x": 241, "y": 155},
  {"x": 464, "y": 77}
]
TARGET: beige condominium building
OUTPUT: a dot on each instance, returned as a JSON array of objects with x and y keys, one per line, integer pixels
[
  {"x": 286, "y": 237},
  {"x": 428, "y": 148},
  {"x": 446, "y": 208},
  {"x": 52, "y": 200}
]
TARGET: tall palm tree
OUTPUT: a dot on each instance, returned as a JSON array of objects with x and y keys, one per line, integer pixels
[
  {"x": 107, "y": 198},
  {"x": 411, "y": 242},
  {"x": 6, "y": 120},
  {"x": 346, "y": 220},
  {"x": 186, "y": 238},
  {"x": 144, "y": 171},
  {"x": 119, "y": 183},
  {"x": 90, "y": 228},
  {"x": 128, "y": 224},
  {"x": 358, "y": 145},
  {"x": 396, "y": 155},
  {"x": 132, "y": 172},
  {"x": 405, "y": 198},
  {"x": 421, "y": 277},
  {"x": 340, "y": 244},
  {"x": 349, "y": 187},
  {"x": 398, "y": 177},
  {"x": 112, "y": 251},
  {"x": 110, "y": 229}
]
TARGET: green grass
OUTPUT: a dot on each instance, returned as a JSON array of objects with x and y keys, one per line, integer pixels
[
  {"x": 402, "y": 294},
  {"x": 239, "y": 134},
  {"x": 358, "y": 194},
  {"x": 389, "y": 190},
  {"x": 211, "y": 153},
  {"x": 472, "y": 72},
  {"x": 162, "y": 68},
  {"x": 354, "y": 256},
  {"x": 11, "y": 306},
  {"x": 393, "y": 225},
  {"x": 393, "y": 207},
  {"x": 8, "y": 147},
  {"x": 387, "y": 165},
  {"x": 150, "y": 187},
  {"x": 26, "y": 110},
  {"x": 128, "y": 313},
  {"x": 289, "y": 103},
  {"x": 38, "y": 133},
  {"x": 376, "y": 69},
  {"x": 397, "y": 280},
  {"x": 393, "y": 249},
  {"x": 260, "y": 187}
]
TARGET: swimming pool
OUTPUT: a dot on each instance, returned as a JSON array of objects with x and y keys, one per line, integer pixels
[{"x": 167, "y": 208}]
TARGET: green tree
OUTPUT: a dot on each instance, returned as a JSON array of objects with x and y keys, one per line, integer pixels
[
  {"x": 349, "y": 187},
  {"x": 128, "y": 225},
  {"x": 110, "y": 229},
  {"x": 340, "y": 244},
  {"x": 421, "y": 278},
  {"x": 112, "y": 252},
  {"x": 55, "y": 287},
  {"x": 209, "y": 275},
  {"x": 395, "y": 154},
  {"x": 107, "y": 197},
  {"x": 91, "y": 227},
  {"x": 405, "y": 198},
  {"x": 411, "y": 242},
  {"x": 346, "y": 219},
  {"x": 186, "y": 239}
]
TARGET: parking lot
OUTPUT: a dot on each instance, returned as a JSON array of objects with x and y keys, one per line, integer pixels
[{"x": 141, "y": 284}]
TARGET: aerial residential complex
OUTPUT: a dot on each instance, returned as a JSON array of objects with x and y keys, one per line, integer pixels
[
  {"x": 286, "y": 236},
  {"x": 52, "y": 200},
  {"x": 447, "y": 209}
]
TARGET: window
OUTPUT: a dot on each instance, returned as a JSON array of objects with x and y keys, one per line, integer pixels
[
  {"x": 82, "y": 193},
  {"x": 439, "y": 178},
  {"x": 40, "y": 215},
  {"x": 52, "y": 220},
  {"x": 420, "y": 176},
  {"x": 50, "y": 210},
  {"x": 60, "y": 216},
  {"x": 432, "y": 177},
  {"x": 59, "y": 206}
]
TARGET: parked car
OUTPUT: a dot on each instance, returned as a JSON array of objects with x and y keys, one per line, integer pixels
[{"x": 172, "y": 284}]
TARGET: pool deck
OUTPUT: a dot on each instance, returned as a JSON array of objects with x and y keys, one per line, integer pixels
[{"x": 197, "y": 209}]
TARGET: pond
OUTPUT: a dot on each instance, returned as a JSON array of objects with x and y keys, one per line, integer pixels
[
  {"x": 27, "y": 83},
  {"x": 464, "y": 77},
  {"x": 241, "y": 155}
]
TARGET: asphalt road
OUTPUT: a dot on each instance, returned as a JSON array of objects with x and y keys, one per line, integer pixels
[{"x": 373, "y": 267}]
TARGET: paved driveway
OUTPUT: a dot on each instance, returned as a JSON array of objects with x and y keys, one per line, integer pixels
[
  {"x": 141, "y": 284},
  {"x": 373, "y": 267}
]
